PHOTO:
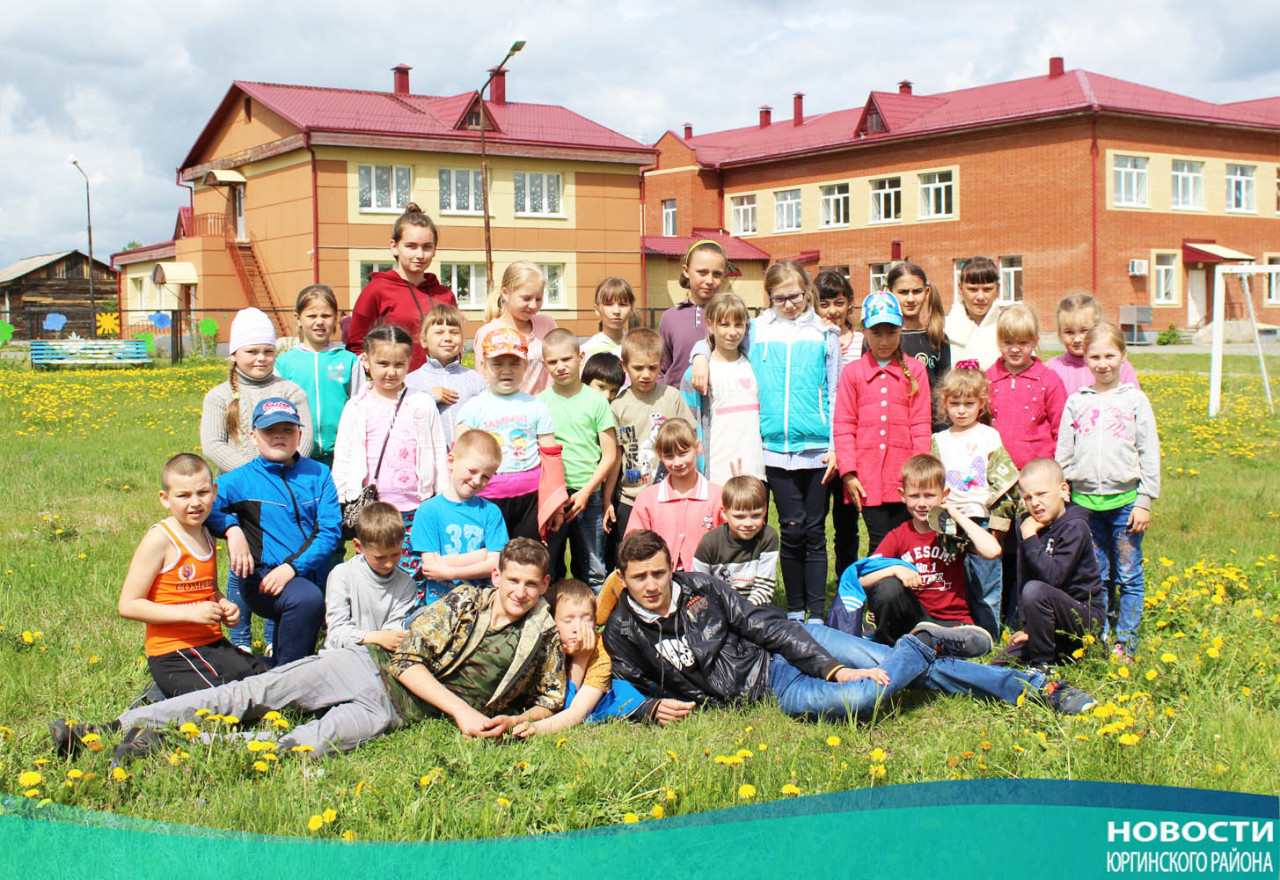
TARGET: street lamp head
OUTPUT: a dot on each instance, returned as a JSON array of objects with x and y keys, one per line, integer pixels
[
  {"x": 516, "y": 47},
  {"x": 71, "y": 159}
]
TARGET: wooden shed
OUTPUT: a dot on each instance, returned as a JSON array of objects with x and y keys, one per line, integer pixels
[{"x": 33, "y": 287}]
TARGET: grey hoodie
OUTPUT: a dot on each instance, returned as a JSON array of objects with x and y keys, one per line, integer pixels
[
  {"x": 358, "y": 601},
  {"x": 1107, "y": 443}
]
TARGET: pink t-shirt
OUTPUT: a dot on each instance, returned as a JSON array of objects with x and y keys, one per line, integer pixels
[
  {"x": 1075, "y": 373},
  {"x": 536, "y": 377},
  {"x": 398, "y": 479}
]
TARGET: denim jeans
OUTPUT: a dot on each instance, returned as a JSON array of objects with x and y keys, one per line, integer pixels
[
  {"x": 1119, "y": 554},
  {"x": 983, "y": 581},
  {"x": 241, "y": 635},
  {"x": 298, "y": 611},
  {"x": 585, "y": 537},
  {"x": 908, "y": 663}
]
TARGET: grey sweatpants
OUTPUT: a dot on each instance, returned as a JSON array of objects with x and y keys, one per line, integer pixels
[{"x": 345, "y": 682}]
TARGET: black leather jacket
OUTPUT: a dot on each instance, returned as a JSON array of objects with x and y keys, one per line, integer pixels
[{"x": 732, "y": 642}]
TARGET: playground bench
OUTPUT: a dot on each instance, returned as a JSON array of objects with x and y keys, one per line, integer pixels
[{"x": 89, "y": 352}]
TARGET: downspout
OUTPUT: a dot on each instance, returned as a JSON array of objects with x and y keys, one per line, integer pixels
[
  {"x": 315, "y": 215},
  {"x": 644, "y": 265},
  {"x": 191, "y": 205},
  {"x": 1093, "y": 190}
]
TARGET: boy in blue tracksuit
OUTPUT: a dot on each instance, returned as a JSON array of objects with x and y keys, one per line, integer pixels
[{"x": 280, "y": 516}]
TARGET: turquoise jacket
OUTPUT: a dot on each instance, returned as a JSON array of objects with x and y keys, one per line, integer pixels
[{"x": 329, "y": 379}]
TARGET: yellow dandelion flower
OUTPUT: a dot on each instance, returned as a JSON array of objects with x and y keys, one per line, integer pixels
[
  {"x": 1123, "y": 672},
  {"x": 261, "y": 766},
  {"x": 984, "y": 745},
  {"x": 1168, "y": 658},
  {"x": 315, "y": 823},
  {"x": 29, "y": 778},
  {"x": 90, "y": 738},
  {"x": 833, "y": 741},
  {"x": 190, "y": 728},
  {"x": 561, "y": 741},
  {"x": 791, "y": 789},
  {"x": 672, "y": 755},
  {"x": 301, "y": 749},
  {"x": 503, "y": 802},
  {"x": 876, "y": 771},
  {"x": 118, "y": 774},
  {"x": 746, "y": 791},
  {"x": 230, "y": 719},
  {"x": 31, "y": 792},
  {"x": 271, "y": 716},
  {"x": 74, "y": 774},
  {"x": 1128, "y": 739},
  {"x": 1212, "y": 653},
  {"x": 745, "y": 753},
  {"x": 1152, "y": 675},
  {"x": 878, "y": 756},
  {"x": 329, "y": 816},
  {"x": 671, "y": 794},
  {"x": 657, "y": 812},
  {"x": 348, "y": 835},
  {"x": 1246, "y": 691},
  {"x": 630, "y": 819}
]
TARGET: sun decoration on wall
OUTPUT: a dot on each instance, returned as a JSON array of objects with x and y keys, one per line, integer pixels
[{"x": 108, "y": 323}]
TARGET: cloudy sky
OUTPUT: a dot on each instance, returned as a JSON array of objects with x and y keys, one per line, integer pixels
[{"x": 126, "y": 86}]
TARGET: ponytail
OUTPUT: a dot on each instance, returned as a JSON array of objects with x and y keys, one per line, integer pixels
[
  {"x": 902, "y": 362},
  {"x": 232, "y": 417}
]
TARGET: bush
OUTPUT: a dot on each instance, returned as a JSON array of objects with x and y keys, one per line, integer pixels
[{"x": 1172, "y": 336}]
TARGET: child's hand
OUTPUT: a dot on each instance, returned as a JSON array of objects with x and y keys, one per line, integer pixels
[
  {"x": 856, "y": 493},
  {"x": 274, "y": 581},
  {"x": 238, "y": 552},
  {"x": 910, "y": 579},
  {"x": 1139, "y": 517},
  {"x": 576, "y": 504},
  {"x": 1030, "y": 528},
  {"x": 878, "y": 675},
  {"x": 700, "y": 378},
  {"x": 525, "y": 729},
  {"x": 444, "y": 395},
  {"x": 735, "y": 467},
  {"x": 1018, "y": 638},
  {"x": 385, "y": 638},
  {"x": 832, "y": 471},
  {"x": 557, "y": 520},
  {"x": 499, "y": 725},
  {"x": 230, "y": 613},
  {"x": 610, "y": 517},
  {"x": 584, "y": 642},
  {"x": 205, "y": 613},
  {"x": 668, "y": 711}
]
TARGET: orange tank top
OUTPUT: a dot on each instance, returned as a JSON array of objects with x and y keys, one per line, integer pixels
[{"x": 192, "y": 578}]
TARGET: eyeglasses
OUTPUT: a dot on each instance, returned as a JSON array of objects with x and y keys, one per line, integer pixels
[{"x": 787, "y": 300}]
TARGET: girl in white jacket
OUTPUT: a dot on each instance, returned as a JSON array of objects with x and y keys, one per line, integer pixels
[{"x": 391, "y": 437}]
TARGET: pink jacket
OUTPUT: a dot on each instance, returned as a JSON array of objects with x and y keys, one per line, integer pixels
[
  {"x": 1026, "y": 410},
  {"x": 880, "y": 424}
]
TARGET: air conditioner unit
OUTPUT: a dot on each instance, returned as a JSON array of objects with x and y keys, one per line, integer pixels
[{"x": 1137, "y": 267}]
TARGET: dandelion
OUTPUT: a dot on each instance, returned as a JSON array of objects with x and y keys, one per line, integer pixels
[
  {"x": 261, "y": 766},
  {"x": 833, "y": 741},
  {"x": 434, "y": 775},
  {"x": 746, "y": 791},
  {"x": 315, "y": 823},
  {"x": 671, "y": 794},
  {"x": 561, "y": 741},
  {"x": 503, "y": 802},
  {"x": 1152, "y": 675},
  {"x": 876, "y": 771},
  {"x": 329, "y": 816},
  {"x": 302, "y": 750},
  {"x": 673, "y": 756},
  {"x": 200, "y": 713},
  {"x": 657, "y": 812},
  {"x": 1123, "y": 672},
  {"x": 878, "y": 756},
  {"x": 348, "y": 835},
  {"x": 744, "y": 753},
  {"x": 230, "y": 720},
  {"x": 1129, "y": 739},
  {"x": 630, "y": 819},
  {"x": 75, "y": 774},
  {"x": 271, "y": 716},
  {"x": 1168, "y": 658},
  {"x": 1246, "y": 691},
  {"x": 191, "y": 729},
  {"x": 29, "y": 779},
  {"x": 1212, "y": 653},
  {"x": 118, "y": 774},
  {"x": 791, "y": 789}
]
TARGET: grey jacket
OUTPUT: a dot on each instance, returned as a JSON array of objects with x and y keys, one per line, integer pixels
[{"x": 1108, "y": 445}]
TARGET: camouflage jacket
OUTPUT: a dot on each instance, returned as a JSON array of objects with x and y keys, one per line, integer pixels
[{"x": 444, "y": 636}]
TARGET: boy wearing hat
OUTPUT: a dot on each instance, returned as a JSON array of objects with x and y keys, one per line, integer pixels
[{"x": 280, "y": 516}]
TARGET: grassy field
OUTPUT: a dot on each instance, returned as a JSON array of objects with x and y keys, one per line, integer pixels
[{"x": 1198, "y": 708}]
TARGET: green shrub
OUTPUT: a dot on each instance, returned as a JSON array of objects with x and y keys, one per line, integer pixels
[{"x": 1172, "y": 336}]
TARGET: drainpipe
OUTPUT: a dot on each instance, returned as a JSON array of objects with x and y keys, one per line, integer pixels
[
  {"x": 187, "y": 299},
  {"x": 315, "y": 215},
  {"x": 1093, "y": 191}
]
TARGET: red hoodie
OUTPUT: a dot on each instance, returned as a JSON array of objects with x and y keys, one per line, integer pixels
[{"x": 389, "y": 299}]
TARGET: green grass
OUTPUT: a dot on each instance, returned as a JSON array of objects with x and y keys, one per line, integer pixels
[{"x": 82, "y": 452}]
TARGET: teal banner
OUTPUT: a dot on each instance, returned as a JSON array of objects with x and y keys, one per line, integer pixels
[{"x": 1028, "y": 828}]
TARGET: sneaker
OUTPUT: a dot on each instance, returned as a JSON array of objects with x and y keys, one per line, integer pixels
[
  {"x": 152, "y": 694},
  {"x": 965, "y": 640},
  {"x": 140, "y": 742},
  {"x": 1066, "y": 699},
  {"x": 1044, "y": 669},
  {"x": 70, "y": 738},
  {"x": 244, "y": 649}
]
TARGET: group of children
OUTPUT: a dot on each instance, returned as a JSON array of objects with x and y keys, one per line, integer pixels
[{"x": 946, "y": 435}]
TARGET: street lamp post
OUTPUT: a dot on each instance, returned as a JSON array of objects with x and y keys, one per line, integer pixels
[
  {"x": 88, "y": 213},
  {"x": 484, "y": 164}
]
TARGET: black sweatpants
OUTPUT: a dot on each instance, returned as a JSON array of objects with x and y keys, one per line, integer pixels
[
  {"x": 1055, "y": 623},
  {"x": 844, "y": 518},
  {"x": 897, "y": 610},
  {"x": 520, "y": 513},
  {"x": 194, "y": 669}
]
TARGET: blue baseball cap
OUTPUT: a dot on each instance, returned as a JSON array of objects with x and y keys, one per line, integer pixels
[
  {"x": 881, "y": 307},
  {"x": 275, "y": 411}
]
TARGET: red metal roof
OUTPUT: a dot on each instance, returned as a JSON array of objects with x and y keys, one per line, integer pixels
[
  {"x": 312, "y": 108},
  {"x": 161, "y": 250},
  {"x": 678, "y": 245},
  {"x": 908, "y": 115}
]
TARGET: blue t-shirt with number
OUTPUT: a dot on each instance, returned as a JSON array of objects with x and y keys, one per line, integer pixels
[{"x": 451, "y": 528}]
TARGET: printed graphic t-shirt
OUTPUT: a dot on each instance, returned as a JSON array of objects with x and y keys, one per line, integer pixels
[{"x": 941, "y": 591}]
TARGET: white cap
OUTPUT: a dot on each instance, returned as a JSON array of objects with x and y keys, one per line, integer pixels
[{"x": 251, "y": 327}]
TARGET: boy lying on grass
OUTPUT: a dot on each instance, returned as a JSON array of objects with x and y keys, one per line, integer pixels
[{"x": 456, "y": 660}]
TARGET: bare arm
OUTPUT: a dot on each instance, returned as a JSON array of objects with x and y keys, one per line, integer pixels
[
  {"x": 908, "y": 577},
  {"x": 147, "y": 561},
  {"x": 419, "y": 681}
]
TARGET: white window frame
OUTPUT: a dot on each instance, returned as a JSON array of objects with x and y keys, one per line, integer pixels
[
  {"x": 835, "y": 205},
  {"x": 668, "y": 216},
  {"x": 374, "y": 266},
  {"x": 1272, "y": 297},
  {"x": 877, "y": 273},
  {"x": 1129, "y": 182},
  {"x": 787, "y": 210},
  {"x": 389, "y": 202},
  {"x": 1164, "y": 287},
  {"x": 1187, "y": 181},
  {"x": 524, "y": 182},
  {"x": 1011, "y": 279},
  {"x": 1242, "y": 188},
  {"x": 477, "y": 293},
  {"x": 937, "y": 194},
  {"x": 473, "y": 180},
  {"x": 139, "y": 292},
  {"x": 888, "y": 195},
  {"x": 553, "y": 298},
  {"x": 744, "y": 214}
]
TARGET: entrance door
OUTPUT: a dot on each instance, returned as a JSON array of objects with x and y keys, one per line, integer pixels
[
  {"x": 237, "y": 205},
  {"x": 1196, "y": 307}
]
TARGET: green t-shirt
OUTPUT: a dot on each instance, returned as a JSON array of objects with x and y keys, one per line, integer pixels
[
  {"x": 1105, "y": 502},
  {"x": 477, "y": 678},
  {"x": 578, "y": 421}
]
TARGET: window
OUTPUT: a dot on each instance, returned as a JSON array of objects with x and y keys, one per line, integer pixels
[
  {"x": 367, "y": 270},
  {"x": 554, "y": 297},
  {"x": 1273, "y": 282},
  {"x": 744, "y": 214},
  {"x": 384, "y": 187},
  {"x": 1188, "y": 184},
  {"x": 1011, "y": 279},
  {"x": 1240, "y": 193},
  {"x": 835, "y": 205},
  {"x": 886, "y": 199},
  {"x": 137, "y": 294},
  {"x": 468, "y": 281},
  {"x": 668, "y": 216},
  {"x": 879, "y": 272},
  {"x": 537, "y": 193},
  {"x": 461, "y": 191},
  {"x": 473, "y": 120},
  {"x": 786, "y": 210},
  {"x": 874, "y": 123},
  {"x": 935, "y": 194},
  {"x": 1163, "y": 288},
  {"x": 1129, "y": 179}
]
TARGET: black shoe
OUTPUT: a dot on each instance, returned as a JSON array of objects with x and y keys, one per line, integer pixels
[
  {"x": 1066, "y": 699},
  {"x": 1045, "y": 669},
  {"x": 140, "y": 742},
  {"x": 70, "y": 738},
  {"x": 965, "y": 640},
  {"x": 152, "y": 694}
]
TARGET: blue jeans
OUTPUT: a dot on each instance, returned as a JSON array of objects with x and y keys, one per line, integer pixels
[
  {"x": 1119, "y": 553},
  {"x": 585, "y": 537},
  {"x": 298, "y": 610},
  {"x": 983, "y": 580},
  {"x": 241, "y": 635},
  {"x": 908, "y": 663}
]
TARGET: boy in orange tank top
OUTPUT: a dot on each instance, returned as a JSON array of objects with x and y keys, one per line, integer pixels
[{"x": 172, "y": 587}]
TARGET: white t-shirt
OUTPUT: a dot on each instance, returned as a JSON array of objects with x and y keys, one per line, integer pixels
[
  {"x": 735, "y": 421},
  {"x": 965, "y": 458}
]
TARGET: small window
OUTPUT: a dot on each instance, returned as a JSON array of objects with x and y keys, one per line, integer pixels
[
  {"x": 1273, "y": 282},
  {"x": 1164, "y": 290},
  {"x": 461, "y": 192},
  {"x": 886, "y": 199},
  {"x": 874, "y": 122},
  {"x": 1129, "y": 180},
  {"x": 835, "y": 205},
  {"x": 367, "y": 270},
  {"x": 668, "y": 216},
  {"x": 936, "y": 194},
  {"x": 744, "y": 214},
  {"x": 786, "y": 210},
  {"x": 1011, "y": 279},
  {"x": 554, "y": 296},
  {"x": 879, "y": 274},
  {"x": 1188, "y": 184},
  {"x": 138, "y": 301},
  {"x": 1240, "y": 188},
  {"x": 473, "y": 120},
  {"x": 537, "y": 193},
  {"x": 468, "y": 282},
  {"x": 384, "y": 187}
]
